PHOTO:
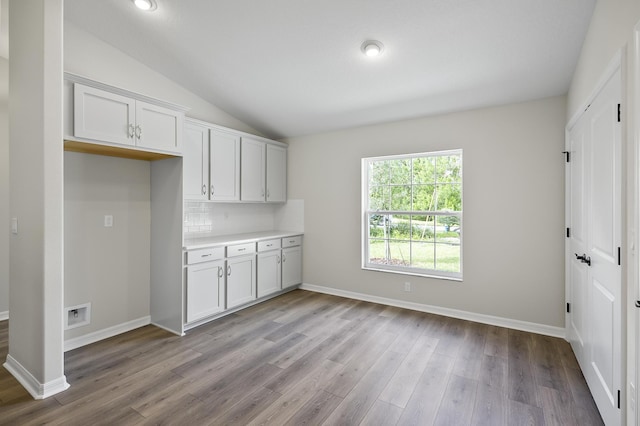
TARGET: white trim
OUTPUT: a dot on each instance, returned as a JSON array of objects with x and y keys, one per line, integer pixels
[
  {"x": 96, "y": 336},
  {"x": 75, "y": 78},
  {"x": 614, "y": 65},
  {"x": 531, "y": 327},
  {"x": 4, "y": 316},
  {"x": 31, "y": 384}
]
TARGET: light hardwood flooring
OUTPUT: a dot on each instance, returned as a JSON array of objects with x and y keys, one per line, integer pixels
[{"x": 306, "y": 358}]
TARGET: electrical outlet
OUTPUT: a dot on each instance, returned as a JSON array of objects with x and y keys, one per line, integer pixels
[
  {"x": 108, "y": 221},
  {"x": 407, "y": 286}
]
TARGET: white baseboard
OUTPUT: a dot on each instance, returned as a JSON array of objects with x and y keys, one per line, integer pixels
[
  {"x": 31, "y": 384},
  {"x": 546, "y": 330},
  {"x": 96, "y": 336},
  {"x": 4, "y": 315}
]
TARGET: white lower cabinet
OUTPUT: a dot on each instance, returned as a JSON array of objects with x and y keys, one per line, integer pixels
[
  {"x": 223, "y": 277},
  {"x": 205, "y": 289},
  {"x": 241, "y": 280},
  {"x": 291, "y": 266},
  {"x": 269, "y": 273}
]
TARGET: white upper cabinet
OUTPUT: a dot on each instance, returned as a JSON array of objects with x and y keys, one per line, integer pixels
[
  {"x": 158, "y": 128},
  {"x": 276, "y": 174},
  {"x": 225, "y": 166},
  {"x": 115, "y": 118},
  {"x": 252, "y": 170},
  {"x": 195, "y": 162},
  {"x": 103, "y": 116}
]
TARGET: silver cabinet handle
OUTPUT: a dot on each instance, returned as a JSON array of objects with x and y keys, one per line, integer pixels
[
  {"x": 277, "y": 259},
  {"x": 220, "y": 273},
  {"x": 268, "y": 193},
  {"x": 212, "y": 189},
  {"x": 284, "y": 258},
  {"x": 263, "y": 192},
  {"x": 132, "y": 131},
  {"x": 269, "y": 245},
  {"x": 138, "y": 131},
  {"x": 204, "y": 189},
  {"x": 242, "y": 249},
  {"x": 229, "y": 270},
  {"x": 205, "y": 255}
]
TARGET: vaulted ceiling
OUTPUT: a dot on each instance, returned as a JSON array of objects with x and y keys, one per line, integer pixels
[{"x": 294, "y": 67}]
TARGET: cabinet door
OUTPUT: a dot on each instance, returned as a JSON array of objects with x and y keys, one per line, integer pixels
[
  {"x": 195, "y": 162},
  {"x": 241, "y": 280},
  {"x": 158, "y": 128},
  {"x": 205, "y": 290},
  {"x": 276, "y": 174},
  {"x": 103, "y": 116},
  {"x": 225, "y": 166},
  {"x": 291, "y": 266},
  {"x": 269, "y": 278},
  {"x": 252, "y": 170}
]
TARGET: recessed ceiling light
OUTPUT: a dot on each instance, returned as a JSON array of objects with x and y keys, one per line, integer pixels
[
  {"x": 372, "y": 48},
  {"x": 146, "y": 5}
]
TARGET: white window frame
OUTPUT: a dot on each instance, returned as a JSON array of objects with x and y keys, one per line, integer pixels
[{"x": 365, "y": 212}]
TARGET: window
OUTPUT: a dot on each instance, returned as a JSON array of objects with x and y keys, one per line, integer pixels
[{"x": 412, "y": 214}]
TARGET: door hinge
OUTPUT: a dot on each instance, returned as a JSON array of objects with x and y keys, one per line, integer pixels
[
  {"x": 619, "y": 256},
  {"x": 618, "y": 399},
  {"x": 568, "y": 154},
  {"x": 568, "y": 307},
  {"x": 568, "y": 232},
  {"x": 618, "y": 113}
]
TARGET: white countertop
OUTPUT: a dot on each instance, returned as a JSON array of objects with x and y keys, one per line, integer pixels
[{"x": 223, "y": 240}]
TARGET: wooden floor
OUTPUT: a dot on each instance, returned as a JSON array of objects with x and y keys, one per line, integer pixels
[{"x": 306, "y": 358}]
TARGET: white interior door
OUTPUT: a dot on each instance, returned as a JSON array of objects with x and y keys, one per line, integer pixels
[{"x": 594, "y": 271}]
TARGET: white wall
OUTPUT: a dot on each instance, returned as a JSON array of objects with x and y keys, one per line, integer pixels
[
  {"x": 513, "y": 208},
  {"x": 109, "y": 267},
  {"x": 4, "y": 188},
  {"x": 611, "y": 29}
]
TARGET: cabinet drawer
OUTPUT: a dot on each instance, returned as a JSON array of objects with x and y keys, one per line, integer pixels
[
  {"x": 268, "y": 245},
  {"x": 292, "y": 241},
  {"x": 204, "y": 255},
  {"x": 240, "y": 249}
]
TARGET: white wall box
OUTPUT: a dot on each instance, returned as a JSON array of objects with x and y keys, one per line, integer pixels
[{"x": 102, "y": 115}]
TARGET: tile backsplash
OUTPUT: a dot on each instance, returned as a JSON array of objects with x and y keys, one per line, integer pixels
[
  {"x": 203, "y": 219},
  {"x": 198, "y": 218}
]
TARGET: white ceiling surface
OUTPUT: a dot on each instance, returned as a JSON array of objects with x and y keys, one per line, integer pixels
[{"x": 294, "y": 67}]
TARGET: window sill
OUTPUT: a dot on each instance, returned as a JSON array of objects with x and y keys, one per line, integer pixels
[{"x": 412, "y": 273}]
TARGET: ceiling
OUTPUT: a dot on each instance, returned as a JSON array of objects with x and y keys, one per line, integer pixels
[{"x": 294, "y": 67}]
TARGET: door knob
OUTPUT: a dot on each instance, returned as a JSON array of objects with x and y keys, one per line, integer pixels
[{"x": 584, "y": 259}]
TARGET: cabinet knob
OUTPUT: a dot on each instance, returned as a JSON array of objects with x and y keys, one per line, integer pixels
[
  {"x": 277, "y": 259},
  {"x": 229, "y": 270},
  {"x": 204, "y": 189},
  {"x": 284, "y": 258},
  {"x": 212, "y": 189},
  {"x": 138, "y": 131},
  {"x": 220, "y": 272},
  {"x": 132, "y": 131}
]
